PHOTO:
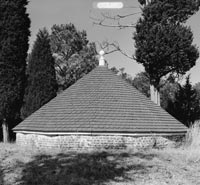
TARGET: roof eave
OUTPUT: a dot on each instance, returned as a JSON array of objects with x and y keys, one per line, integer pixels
[{"x": 103, "y": 133}]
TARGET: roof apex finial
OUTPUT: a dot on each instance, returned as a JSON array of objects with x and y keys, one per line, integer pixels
[{"x": 101, "y": 59}]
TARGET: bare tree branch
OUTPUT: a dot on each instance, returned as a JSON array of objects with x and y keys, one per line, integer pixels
[
  {"x": 115, "y": 26},
  {"x": 114, "y": 47},
  {"x": 58, "y": 66},
  {"x": 114, "y": 21},
  {"x": 117, "y": 17},
  {"x": 103, "y": 21}
]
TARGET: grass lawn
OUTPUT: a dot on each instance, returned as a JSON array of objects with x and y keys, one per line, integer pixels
[{"x": 20, "y": 166}]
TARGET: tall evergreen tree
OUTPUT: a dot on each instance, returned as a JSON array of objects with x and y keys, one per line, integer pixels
[
  {"x": 42, "y": 85},
  {"x": 185, "y": 107},
  {"x": 14, "y": 33},
  {"x": 163, "y": 42}
]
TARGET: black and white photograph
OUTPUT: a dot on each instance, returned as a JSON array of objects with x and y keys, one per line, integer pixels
[{"x": 99, "y": 92}]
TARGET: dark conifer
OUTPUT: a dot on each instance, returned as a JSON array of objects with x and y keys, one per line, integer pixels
[
  {"x": 14, "y": 33},
  {"x": 186, "y": 106},
  {"x": 164, "y": 44},
  {"x": 42, "y": 86}
]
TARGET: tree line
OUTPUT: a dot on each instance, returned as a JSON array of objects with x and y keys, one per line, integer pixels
[
  {"x": 28, "y": 81},
  {"x": 163, "y": 42},
  {"x": 180, "y": 100},
  {"x": 164, "y": 46},
  {"x": 58, "y": 59}
]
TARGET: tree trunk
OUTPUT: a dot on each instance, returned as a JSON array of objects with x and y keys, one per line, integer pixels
[
  {"x": 155, "y": 95},
  {"x": 158, "y": 97},
  {"x": 152, "y": 93},
  {"x": 5, "y": 131}
]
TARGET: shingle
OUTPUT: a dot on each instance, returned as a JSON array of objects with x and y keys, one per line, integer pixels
[{"x": 101, "y": 102}]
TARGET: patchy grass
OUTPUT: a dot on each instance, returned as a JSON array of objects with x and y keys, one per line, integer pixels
[
  {"x": 20, "y": 166},
  {"x": 10, "y": 157},
  {"x": 1, "y": 176}
]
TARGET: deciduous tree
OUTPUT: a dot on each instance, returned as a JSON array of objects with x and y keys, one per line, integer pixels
[
  {"x": 142, "y": 83},
  {"x": 80, "y": 64},
  {"x": 74, "y": 55},
  {"x": 121, "y": 72},
  {"x": 167, "y": 93}
]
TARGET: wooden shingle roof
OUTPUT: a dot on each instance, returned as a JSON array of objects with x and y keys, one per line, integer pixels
[{"x": 101, "y": 102}]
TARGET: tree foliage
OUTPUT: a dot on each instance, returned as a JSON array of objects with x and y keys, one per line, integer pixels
[
  {"x": 185, "y": 107},
  {"x": 142, "y": 83},
  {"x": 167, "y": 93},
  {"x": 14, "y": 26},
  {"x": 42, "y": 85},
  {"x": 74, "y": 55},
  {"x": 121, "y": 72},
  {"x": 163, "y": 43},
  {"x": 80, "y": 64},
  {"x": 168, "y": 10},
  {"x": 167, "y": 88},
  {"x": 66, "y": 40},
  {"x": 114, "y": 70}
]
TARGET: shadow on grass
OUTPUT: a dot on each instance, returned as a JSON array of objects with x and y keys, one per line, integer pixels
[
  {"x": 140, "y": 155},
  {"x": 78, "y": 169}
]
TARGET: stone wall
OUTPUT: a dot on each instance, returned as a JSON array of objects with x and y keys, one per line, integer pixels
[{"x": 79, "y": 142}]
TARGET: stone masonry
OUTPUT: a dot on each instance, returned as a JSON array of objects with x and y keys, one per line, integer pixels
[{"x": 81, "y": 142}]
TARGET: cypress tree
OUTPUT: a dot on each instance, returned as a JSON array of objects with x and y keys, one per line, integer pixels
[
  {"x": 14, "y": 33},
  {"x": 42, "y": 85}
]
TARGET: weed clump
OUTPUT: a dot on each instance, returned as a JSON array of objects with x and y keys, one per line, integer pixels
[
  {"x": 193, "y": 136},
  {"x": 192, "y": 142}
]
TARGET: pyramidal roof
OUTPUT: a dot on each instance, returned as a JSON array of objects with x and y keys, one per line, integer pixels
[{"x": 101, "y": 102}]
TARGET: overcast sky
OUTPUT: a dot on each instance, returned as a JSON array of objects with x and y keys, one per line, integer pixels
[{"x": 46, "y": 13}]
